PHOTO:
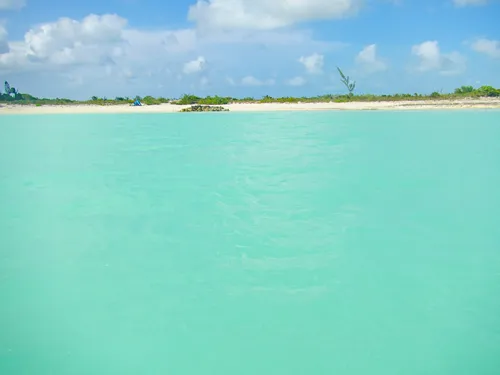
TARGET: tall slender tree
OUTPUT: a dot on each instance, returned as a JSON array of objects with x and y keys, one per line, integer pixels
[{"x": 347, "y": 82}]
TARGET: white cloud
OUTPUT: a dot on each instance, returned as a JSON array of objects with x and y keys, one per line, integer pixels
[
  {"x": 102, "y": 55},
  {"x": 464, "y": 3},
  {"x": 195, "y": 66},
  {"x": 368, "y": 60},
  {"x": 66, "y": 33},
  {"x": 12, "y": 4},
  {"x": 173, "y": 41},
  {"x": 266, "y": 14},
  {"x": 313, "y": 64},
  {"x": 431, "y": 59},
  {"x": 252, "y": 81},
  {"x": 14, "y": 58},
  {"x": 488, "y": 47},
  {"x": 94, "y": 40},
  {"x": 296, "y": 81}
]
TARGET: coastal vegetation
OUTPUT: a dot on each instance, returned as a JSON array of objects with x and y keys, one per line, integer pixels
[{"x": 11, "y": 95}]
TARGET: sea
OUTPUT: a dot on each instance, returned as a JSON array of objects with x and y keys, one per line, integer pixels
[{"x": 265, "y": 243}]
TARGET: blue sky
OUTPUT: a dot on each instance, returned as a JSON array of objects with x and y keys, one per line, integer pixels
[{"x": 56, "y": 48}]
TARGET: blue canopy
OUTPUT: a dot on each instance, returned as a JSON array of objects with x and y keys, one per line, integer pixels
[{"x": 137, "y": 102}]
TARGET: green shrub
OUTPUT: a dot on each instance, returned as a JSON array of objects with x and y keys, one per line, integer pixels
[
  {"x": 149, "y": 100},
  {"x": 188, "y": 99},
  {"x": 488, "y": 91},
  {"x": 267, "y": 99},
  {"x": 464, "y": 90},
  {"x": 215, "y": 100},
  {"x": 460, "y": 92}
]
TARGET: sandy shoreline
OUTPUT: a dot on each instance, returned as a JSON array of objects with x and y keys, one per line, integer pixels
[{"x": 481, "y": 103}]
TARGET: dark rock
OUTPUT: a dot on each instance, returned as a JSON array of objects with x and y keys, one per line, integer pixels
[{"x": 204, "y": 108}]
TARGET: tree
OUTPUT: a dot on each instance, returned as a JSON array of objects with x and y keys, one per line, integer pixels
[
  {"x": 10, "y": 90},
  {"x": 464, "y": 90},
  {"x": 347, "y": 82},
  {"x": 488, "y": 91},
  {"x": 149, "y": 100}
]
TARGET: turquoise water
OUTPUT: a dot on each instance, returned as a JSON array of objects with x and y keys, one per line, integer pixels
[{"x": 346, "y": 243}]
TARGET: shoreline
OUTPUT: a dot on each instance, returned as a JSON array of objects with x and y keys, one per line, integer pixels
[{"x": 480, "y": 103}]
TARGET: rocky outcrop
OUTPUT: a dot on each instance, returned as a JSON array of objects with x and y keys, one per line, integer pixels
[{"x": 204, "y": 108}]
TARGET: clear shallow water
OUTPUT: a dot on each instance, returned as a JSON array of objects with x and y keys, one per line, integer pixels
[{"x": 264, "y": 243}]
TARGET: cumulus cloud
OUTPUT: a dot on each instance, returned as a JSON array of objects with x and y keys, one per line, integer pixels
[
  {"x": 431, "y": 59},
  {"x": 313, "y": 64},
  {"x": 67, "y": 35},
  {"x": 486, "y": 46},
  {"x": 12, "y": 4},
  {"x": 252, "y": 81},
  {"x": 195, "y": 66},
  {"x": 94, "y": 40},
  {"x": 265, "y": 14},
  {"x": 296, "y": 81},
  {"x": 464, "y": 3},
  {"x": 368, "y": 60},
  {"x": 103, "y": 55}
]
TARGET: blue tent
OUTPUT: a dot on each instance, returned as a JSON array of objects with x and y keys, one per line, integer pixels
[{"x": 136, "y": 103}]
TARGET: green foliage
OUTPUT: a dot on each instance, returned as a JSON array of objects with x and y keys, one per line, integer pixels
[
  {"x": 215, "y": 100},
  {"x": 488, "y": 91},
  {"x": 188, "y": 99},
  {"x": 11, "y": 95},
  {"x": 28, "y": 97},
  {"x": 464, "y": 90},
  {"x": 247, "y": 99},
  {"x": 267, "y": 99},
  {"x": 9, "y": 90},
  {"x": 347, "y": 82},
  {"x": 149, "y": 100}
]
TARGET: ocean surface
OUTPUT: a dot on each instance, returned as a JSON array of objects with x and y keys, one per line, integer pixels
[{"x": 285, "y": 243}]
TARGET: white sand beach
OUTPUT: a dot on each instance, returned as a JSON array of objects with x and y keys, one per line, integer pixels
[{"x": 480, "y": 103}]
